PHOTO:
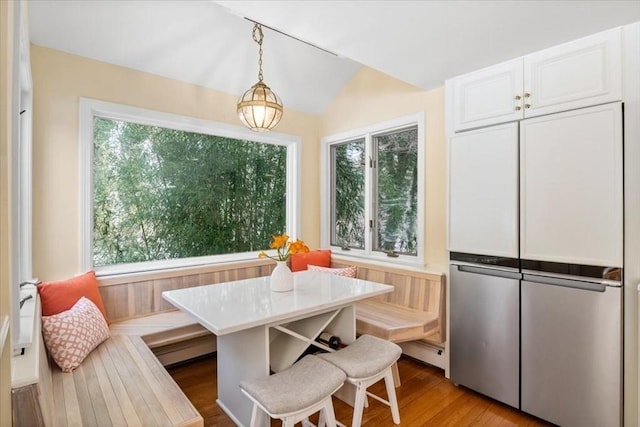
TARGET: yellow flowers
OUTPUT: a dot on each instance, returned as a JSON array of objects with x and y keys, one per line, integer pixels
[{"x": 284, "y": 247}]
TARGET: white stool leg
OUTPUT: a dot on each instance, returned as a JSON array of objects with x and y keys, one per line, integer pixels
[
  {"x": 256, "y": 416},
  {"x": 391, "y": 393},
  {"x": 321, "y": 419},
  {"x": 358, "y": 406},
  {"x": 288, "y": 422},
  {"x": 327, "y": 414},
  {"x": 396, "y": 374}
]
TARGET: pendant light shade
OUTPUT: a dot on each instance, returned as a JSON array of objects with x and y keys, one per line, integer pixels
[{"x": 259, "y": 109}]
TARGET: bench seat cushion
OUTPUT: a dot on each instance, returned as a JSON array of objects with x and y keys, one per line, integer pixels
[
  {"x": 394, "y": 322},
  {"x": 121, "y": 383}
]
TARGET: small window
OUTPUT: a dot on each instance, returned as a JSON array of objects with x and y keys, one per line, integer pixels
[
  {"x": 375, "y": 191},
  {"x": 395, "y": 189},
  {"x": 348, "y": 166}
]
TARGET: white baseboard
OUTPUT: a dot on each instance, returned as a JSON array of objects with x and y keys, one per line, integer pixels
[{"x": 424, "y": 352}]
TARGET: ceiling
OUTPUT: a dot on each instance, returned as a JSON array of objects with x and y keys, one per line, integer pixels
[{"x": 209, "y": 43}]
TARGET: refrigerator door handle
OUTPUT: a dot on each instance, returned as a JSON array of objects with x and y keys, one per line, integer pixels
[
  {"x": 489, "y": 271},
  {"x": 575, "y": 284}
]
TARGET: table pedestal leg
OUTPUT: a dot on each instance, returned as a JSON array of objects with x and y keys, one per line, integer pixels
[{"x": 242, "y": 355}]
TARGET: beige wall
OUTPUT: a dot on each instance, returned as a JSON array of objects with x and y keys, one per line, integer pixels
[
  {"x": 60, "y": 79},
  {"x": 6, "y": 135},
  {"x": 372, "y": 97}
]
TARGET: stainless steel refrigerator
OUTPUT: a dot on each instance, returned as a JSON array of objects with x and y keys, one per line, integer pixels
[
  {"x": 571, "y": 349},
  {"x": 544, "y": 194},
  {"x": 485, "y": 327}
]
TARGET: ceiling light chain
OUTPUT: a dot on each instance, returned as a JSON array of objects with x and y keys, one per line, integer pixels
[
  {"x": 259, "y": 108},
  {"x": 257, "y": 29}
]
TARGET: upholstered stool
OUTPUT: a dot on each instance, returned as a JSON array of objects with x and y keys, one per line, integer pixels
[
  {"x": 295, "y": 393},
  {"x": 367, "y": 361}
]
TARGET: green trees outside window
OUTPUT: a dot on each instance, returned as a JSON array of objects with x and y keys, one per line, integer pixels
[
  {"x": 348, "y": 161},
  {"x": 163, "y": 194},
  {"x": 396, "y": 190},
  {"x": 392, "y": 213}
]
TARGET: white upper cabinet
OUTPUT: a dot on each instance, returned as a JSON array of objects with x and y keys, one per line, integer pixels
[
  {"x": 483, "y": 191},
  {"x": 581, "y": 73},
  {"x": 491, "y": 95},
  {"x": 577, "y": 74},
  {"x": 571, "y": 187}
]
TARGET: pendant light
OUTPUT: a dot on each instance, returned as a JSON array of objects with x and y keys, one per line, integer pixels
[{"x": 260, "y": 109}]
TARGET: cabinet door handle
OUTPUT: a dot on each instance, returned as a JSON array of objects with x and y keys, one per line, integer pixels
[
  {"x": 527, "y": 105},
  {"x": 518, "y": 108},
  {"x": 527, "y": 94},
  {"x": 518, "y": 97}
]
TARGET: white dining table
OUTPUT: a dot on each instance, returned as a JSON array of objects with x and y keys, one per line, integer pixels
[{"x": 260, "y": 331}]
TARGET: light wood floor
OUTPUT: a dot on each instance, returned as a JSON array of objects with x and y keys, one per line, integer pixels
[{"x": 426, "y": 398}]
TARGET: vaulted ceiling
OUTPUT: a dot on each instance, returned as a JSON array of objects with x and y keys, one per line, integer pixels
[{"x": 209, "y": 43}]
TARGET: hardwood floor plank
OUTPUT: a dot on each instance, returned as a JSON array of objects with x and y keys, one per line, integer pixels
[{"x": 425, "y": 398}]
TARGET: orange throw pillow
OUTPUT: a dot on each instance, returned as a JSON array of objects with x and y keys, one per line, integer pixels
[
  {"x": 321, "y": 258},
  {"x": 60, "y": 296}
]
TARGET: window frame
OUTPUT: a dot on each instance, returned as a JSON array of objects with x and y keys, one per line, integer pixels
[
  {"x": 20, "y": 190},
  {"x": 91, "y": 108},
  {"x": 368, "y": 132}
]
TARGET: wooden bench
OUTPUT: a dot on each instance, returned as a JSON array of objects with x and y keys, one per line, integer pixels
[
  {"x": 173, "y": 336},
  {"x": 413, "y": 313},
  {"x": 121, "y": 383},
  {"x": 393, "y": 322}
]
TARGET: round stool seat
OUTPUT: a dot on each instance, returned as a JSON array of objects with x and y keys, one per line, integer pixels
[
  {"x": 366, "y": 357},
  {"x": 304, "y": 384}
]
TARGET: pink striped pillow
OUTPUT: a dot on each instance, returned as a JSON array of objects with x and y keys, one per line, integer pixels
[{"x": 346, "y": 271}]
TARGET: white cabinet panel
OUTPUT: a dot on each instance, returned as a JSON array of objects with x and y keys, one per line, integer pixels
[
  {"x": 571, "y": 187},
  {"x": 488, "y": 96},
  {"x": 581, "y": 73},
  {"x": 577, "y": 74},
  {"x": 483, "y": 191}
]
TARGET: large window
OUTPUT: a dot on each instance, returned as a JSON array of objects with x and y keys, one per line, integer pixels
[
  {"x": 175, "y": 194},
  {"x": 375, "y": 192}
]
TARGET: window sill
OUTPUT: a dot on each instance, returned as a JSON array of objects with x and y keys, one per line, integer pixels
[
  {"x": 115, "y": 278},
  {"x": 27, "y": 318},
  {"x": 385, "y": 262},
  {"x": 25, "y": 367}
]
